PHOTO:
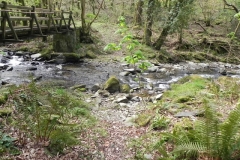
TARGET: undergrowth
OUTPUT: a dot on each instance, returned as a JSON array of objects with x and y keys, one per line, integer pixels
[
  {"x": 51, "y": 117},
  {"x": 213, "y": 135}
]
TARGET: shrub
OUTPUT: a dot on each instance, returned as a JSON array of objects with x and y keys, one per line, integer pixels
[{"x": 49, "y": 115}]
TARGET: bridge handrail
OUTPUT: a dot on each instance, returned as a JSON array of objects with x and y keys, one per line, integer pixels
[{"x": 53, "y": 18}]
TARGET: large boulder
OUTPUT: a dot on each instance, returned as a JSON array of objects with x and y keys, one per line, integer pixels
[{"x": 112, "y": 85}]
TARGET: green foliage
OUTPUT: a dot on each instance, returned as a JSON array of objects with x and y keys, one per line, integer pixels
[
  {"x": 183, "y": 11},
  {"x": 131, "y": 45},
  {"x": 46, "y": 113},
  {"x": 188, "y": 87},
  {"x": 61, "y": 139},
  {"x": 232, "y": 35},
  {"x": 159, "y": 122},
  {"x": 7, "y": 144},
  {"x": 212, "y": 138},
  {"x": 112, "y": 47},
  {"x": 237, "y": 16}
]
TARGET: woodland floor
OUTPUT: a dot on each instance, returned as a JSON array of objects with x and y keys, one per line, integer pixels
[{"x": 115, "y": 145}]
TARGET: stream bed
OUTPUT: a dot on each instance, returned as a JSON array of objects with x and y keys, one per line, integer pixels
[{"x": 19, "y": 67}]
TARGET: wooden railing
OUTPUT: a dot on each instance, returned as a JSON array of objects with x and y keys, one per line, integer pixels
[{"x": 19, "y": 21}]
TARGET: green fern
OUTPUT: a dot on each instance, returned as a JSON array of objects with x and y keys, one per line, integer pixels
[{"x": 213, "y": 138}]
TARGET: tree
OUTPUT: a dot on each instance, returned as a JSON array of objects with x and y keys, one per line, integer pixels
[
  {"x": 85, "y": 35},
  {"x": 173, "y": 23},
  {"x": 208, "y": 10},
  {"x": 138, "y": 13},
  {"x": 149, "y": 23}
]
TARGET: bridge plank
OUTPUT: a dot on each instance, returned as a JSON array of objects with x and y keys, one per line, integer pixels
[
  {"x": 19, "y": 7},
  {"x": 21, "y": 18},
  {"x": 43, "y": 18}
]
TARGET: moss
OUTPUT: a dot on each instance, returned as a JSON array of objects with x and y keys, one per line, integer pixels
[
  {"x": 3, "y": 99},
  {"x": 23, "y": 48},
  {"x": 82, "y": 89},
  {"x": 71, "y": 57},
  {"x": 46, "y": 53},
  {"x": 183, "y": 99},
  {"x": 90, "y": 54},
  {"x": 47, "y": 50},
  {"x": 46, "y": 56},
  {"x": 5, "y": 112},
  {"x": 143, "y": 119},
  {"x": 112, "y": 84},
  {"x": 186, "y": 89},
  {"x": 164, "y": 57},
  {"x": 198, "y": 56},
  {"x": 34, "y": 50},
  {"x": 125, "y": 88}
]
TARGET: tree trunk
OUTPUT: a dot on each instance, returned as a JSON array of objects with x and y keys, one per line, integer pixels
[
  {"x": 148, "y": 27},
  {"x": 85, "y": 29},
  {"x": 111, "y": 4},
  {"x": 160, "y": 41},
  {"x": 180, "y": 37},
  {"x": 173, "y": 15},
  {"x": 138, "y": 14},
  {"x": 166, "y": 4},
  {"x": 132, "y": 4}
]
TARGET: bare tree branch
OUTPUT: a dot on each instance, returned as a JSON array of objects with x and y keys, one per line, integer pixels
[
  {"x": 99, "y": 9},
  {"x": 231, "y": 5}
]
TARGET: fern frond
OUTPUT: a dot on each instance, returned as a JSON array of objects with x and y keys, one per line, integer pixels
[
  {"x": 191, "y": 149},
  {"x": 230, "y": 133}
]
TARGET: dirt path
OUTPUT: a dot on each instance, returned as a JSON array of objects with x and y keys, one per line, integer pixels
[{"x": 116, "y": 145}]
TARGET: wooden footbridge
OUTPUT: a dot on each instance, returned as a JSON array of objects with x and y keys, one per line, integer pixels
[{"x": 21, "y": 21}]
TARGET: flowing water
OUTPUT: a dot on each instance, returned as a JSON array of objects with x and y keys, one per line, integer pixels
[{"x": 90, "y": 72}]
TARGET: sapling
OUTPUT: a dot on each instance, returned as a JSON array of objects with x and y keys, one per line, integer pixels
[
  {"x": 132, "y": 46},
  {"x": 134, "y": 54}
]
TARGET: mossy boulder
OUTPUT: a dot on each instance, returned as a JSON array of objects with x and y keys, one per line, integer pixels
[
  {"x": 90, "y": 55},
  {"x": 143, "y": 119},
  {"x": 72, "y": 57},
  {"x": 125, "y": 88},
  {"x": 112, "y": 85}
]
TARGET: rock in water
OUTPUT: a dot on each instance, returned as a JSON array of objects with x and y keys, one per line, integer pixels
[{"x": 112, "y": 84}]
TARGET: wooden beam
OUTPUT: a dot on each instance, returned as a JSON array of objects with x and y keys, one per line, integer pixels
[{"x": 55, "y": 20}]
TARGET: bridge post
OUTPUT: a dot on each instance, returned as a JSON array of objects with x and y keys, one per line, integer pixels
[{"x": 6, "y": 17}]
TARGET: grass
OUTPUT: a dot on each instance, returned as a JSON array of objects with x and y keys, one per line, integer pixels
[
  {"x": 188, "y": 86},
  {"x": 189, "y": 93}
]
